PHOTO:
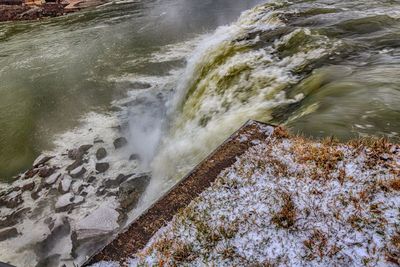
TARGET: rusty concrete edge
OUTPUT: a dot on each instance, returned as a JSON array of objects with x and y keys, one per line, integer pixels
[{"x": 137, "y": 228}]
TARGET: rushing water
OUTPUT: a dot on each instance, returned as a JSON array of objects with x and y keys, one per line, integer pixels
[{"x": 184, "y": 74}]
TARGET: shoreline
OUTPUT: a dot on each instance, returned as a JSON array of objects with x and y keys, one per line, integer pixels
[{"x": 31, "y": 12}]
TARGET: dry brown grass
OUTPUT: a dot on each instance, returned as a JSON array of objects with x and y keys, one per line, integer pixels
[
  {"x": 280, "y": 169},
  {"x": 325, "y": 157},
  {"x": 286, "y": 217},
  {"x": 379, "y": 151},
  {"x": 280, "y": 132},
  {"x": 393, "y": 250},
  {"x": 394, "y": 184},
  {"x": 183, "y": 253},
  {"x": 316, "y": 246}
]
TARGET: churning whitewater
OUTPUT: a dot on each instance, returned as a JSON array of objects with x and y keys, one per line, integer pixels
[{"x": 318, "y": 67}]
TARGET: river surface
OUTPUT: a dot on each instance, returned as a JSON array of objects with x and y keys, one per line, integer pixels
[{"x": 181, "y": 75}]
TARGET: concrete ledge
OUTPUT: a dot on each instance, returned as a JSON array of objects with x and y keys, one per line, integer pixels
[{"x": 141, "y": 230}]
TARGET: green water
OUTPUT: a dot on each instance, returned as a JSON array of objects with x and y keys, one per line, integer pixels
[{"x": 54, "y": 71}]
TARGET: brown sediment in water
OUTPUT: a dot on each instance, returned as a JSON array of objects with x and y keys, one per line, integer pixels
[{"x": 141, "y": 230}]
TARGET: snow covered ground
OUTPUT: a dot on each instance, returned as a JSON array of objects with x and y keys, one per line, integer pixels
[{"x": 290, "y": 201}]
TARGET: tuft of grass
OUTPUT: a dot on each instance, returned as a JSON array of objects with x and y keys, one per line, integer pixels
[
  {"x": 279, "y": 167},
  {"x": 183, "y": 253},
  {"x": 394, "y": 184},
  {"x": 286, "y": 217},
  {"x": 280, "y": 132},
  {"x": 393, "y": 253},
  {"x": 325, "y": 157},
  {"x": 316, "y": 246}
]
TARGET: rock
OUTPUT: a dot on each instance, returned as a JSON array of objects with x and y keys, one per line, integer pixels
[
  {"x": 46, "y": 172},
  {"x": 8, "y": 233},
  {"x": 101, "y": 221},
  {"x": 28, "y": 186},
  {"x": 41, "y": 160},
  {"x": 91, "y": 179},
  {"x": 98, "y": 141},
  {"x": 82, "y": 187},
  {"x": 101, "y": 153},
  {"x": 12, "y": 202},
  {"x": 78, "y": 172},
  {"x": 13, "y": 218},
  {"x": 65, "y": 184},
  {"x": 120, "y": 142},
  {"x": 85, "y": 148},
  {"x": 36, "y": 194},
  {"x": 75, "y": 165},
  {"x": 75, "y": 154},
  {"x": 101, "y": 191},
  {"x": 15, "y": 189},
  {"x": 102, "y": 167},
  {"x": 52, "y": 179},
  {"x": 116, "y": 182},
  {"x": 140, "y": 85},
  {"x": 134, "y": 157},
  {"x": 64, "y": 203},
  {"x": 30, "y": 173},
  {"x": 131, "y": 190},
  {"x": 76, "y": 186}
]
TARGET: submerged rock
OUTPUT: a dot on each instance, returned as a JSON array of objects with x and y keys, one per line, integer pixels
[
  {"x": 111, "y": 183},
  {"x": 134, "y": 157},
  {"x": 98, "y": 141},
  {"x": 59, "y": 228},
  {"x": 101, "y": 153},
  {"x": 49, "y": 261},
  {"x": 12, "y": 201},
  {"x": 120, "y": 142},
  {"x": 91, "y": 179},
  {"x": 13, "y": 218},
  {"x": 64, "y": 202},
  {"x": 102, "y": 167},
  {"x": 8, "y": 233}
]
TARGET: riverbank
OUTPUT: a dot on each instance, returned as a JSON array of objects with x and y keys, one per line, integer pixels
[
  {"x": 22, "y": 11},
  {"x": 284, "y": 200}
]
